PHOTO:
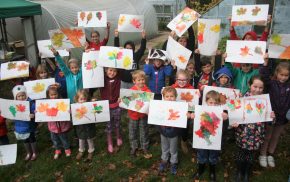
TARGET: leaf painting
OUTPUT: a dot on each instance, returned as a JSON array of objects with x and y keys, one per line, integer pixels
[
  {"x": 256, "y": 10},
  {"x": 136, "y": 23},
  {"x": 130, "y": 23},
  {"x": 8, "y": 154},
  {"x": 207, "y": 127},
  {"x": 215, "y": 28},
  {"x": 241, "y": 11},
  {"x": 92, "y": 19},
  {"x": 279, "y": 46},
  {"x": 248, "y": 108},
  {"x": 91, "y": 65},
  {"x": 11, "y": 65},
  {"x": 168, "y": 113},
  {"x": 121, "y": 20},
  {"x": 52, "y": 110},
  {"x": 44, "y": 47},
  {"x": 191, "y": 96},
  {"x": 245, "y": 51},
  {"x": 188, "y": 97},
  {"x": 234, "y": 104},
  {"x": 14, "y": 69},
  {"x": 74, "y": 35},
  {"x": 90, "y": 112},
  {"x": 15, "y": 109},
  {"x": 260, "y": 107},
  {"x": 135, "y": 100},
  {"x": 36, "y": 89}
]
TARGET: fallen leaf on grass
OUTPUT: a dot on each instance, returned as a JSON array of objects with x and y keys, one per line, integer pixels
[
  {"x": 22, "y": 178},
  {"x": 147, "y": 156},
  {"x": 257, "y": 173},
  {"x": 193, "y": 160},
  {"x": 128, "y": 164},
  {"x": 111, "y": 166},
  {"x": 90, "y": 178}
]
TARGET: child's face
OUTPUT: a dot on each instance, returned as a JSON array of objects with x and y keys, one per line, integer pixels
[
  {"x": 139, "y": 82},
  {"x": 74, "y": 68},
  {"x": 246, "y": 67},
  {"x": 111, "y": 72},
  {"x": 53, "y": 95},
  {"x": 206, "y": 69},
  {"x": 182, "y": 80},
  {"x": 43, "y": 75},
  {"x": 21, "y": 96},
  {"x": 95, "y": 37},
  {"x": 157, "y": 63},
  {"x": 182, "y": 41},
  {"x": 223, "y": 80},
  {"x": 190, "y": 69},
  {"x": 283, "y": 75},
  {"x": 128, "y": 46},
  {"x": 211, "y": 102},
  {"x": 169, "y": 96},
  {"x": 257, "y": 87},
  {"x": 248, "y": 37},
  {"x": 82, "y": 99}
]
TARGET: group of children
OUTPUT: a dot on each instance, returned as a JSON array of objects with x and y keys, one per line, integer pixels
[{"x": 199, "y": 73}]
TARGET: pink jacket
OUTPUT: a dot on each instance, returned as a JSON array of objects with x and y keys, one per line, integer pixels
[{"x": 59, "y": 126}]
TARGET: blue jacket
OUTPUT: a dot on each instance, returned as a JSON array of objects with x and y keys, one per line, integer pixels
[
  {"x": 73, "y": 82},
  {"x": 223, "y": 71},
  {"x": 26, "y": 126},
  {"x": 168, "y": 131},
  {"x": 157, "y": 76},
  {"x": 60, "y": 78}
]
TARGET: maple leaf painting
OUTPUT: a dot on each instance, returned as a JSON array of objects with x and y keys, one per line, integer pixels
[
  {"x": 81, "y": 112},
  {"x": 186, "y": 96},
  {"x": 256, "y": 11},
  {"x": 22, "y": 66},
  {"x": 52, "y": 111},
  {"x": 38, "y": 87},
  {"x": 20, "y": 108},
  {"x": 215, "y": 28},
  {"x": 241, "y": 11},
  {"x": 62, "y": 106},
  {"x": 181, "y": 59},
  {"x": 82, "y": 16},
  {"x": 42, "y": 107},
  {"x": 97, "y": 108},
  {"x": 89, "y": 17},
  {"x": 115, "y": 55},
  {"x": 57, "y": 39},
  {"x": 136, "y": 23},
  {"x": 260, "y": 106},
  {"x": 276, "y": 39},
  {"x": 74, "y": 35},
  {"x": 245, "y": 51},
  {"x": 91, "y": 65},
  {"x": 11, "y": 66},
  {"x": 122, "y": 20},
  {"x": 173, "y": 115}
]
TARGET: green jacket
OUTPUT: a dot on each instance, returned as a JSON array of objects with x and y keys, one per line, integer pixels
[
  {"x": 73, "y": 82},
  {"x": 241, "y": 78}
]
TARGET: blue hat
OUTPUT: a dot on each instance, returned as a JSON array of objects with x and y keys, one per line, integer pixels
[{"x": 224, "y": 71}]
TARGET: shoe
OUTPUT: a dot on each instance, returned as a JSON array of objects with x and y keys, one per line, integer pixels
[
  {"x": 173, "y": 169},
  {"x": 271, "y": 161},
  {"x": 199, "y": 172},
  {"x": 212, "y": 175},
  {"x": 33, "y": 157},
  {"x": 56, "y": 154},
  {"x": 184, "y": 147},
  {"x": 263, "y": 161},
  {"x": 162, "y": 166},
  {"x": 67, "y": 152},
  {"x": 133, "y": 153},
  {"x": 119, "y": 142},
  {"x": 27, "y": 157},
  {"x": 90, "y": 156},
  {"x": 110, "y": 143},
  {"x": 79, "y": 155}
]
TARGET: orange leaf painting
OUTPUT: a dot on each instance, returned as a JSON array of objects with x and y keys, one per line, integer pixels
[
  {"x": 89, "y": 17},
  {"x": 136, "y": 23},
  {"x": 186, "y": 96},
  {"x": 81, "y": 112},
  {"x": 42, "y": 107},
  {"x": 82, "y": 15},
  {"x": 285, "y": 54},
  {"x": 52, "y": 111},
  {"x": 74, "y": 35},
  {"x": 173, "y": 114},
  {"x": 61, "y": 106},
  {"x": 22, "y": 66},
  {"x": 181, "y": 27},
  {"x": 256, "y": 11},
  {"x": 181, "y": 58},
  {"x": 245, "y": 51},
  {"x": 20, "y": 108}
]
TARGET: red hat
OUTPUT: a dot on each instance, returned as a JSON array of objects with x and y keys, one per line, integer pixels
[{"x": 252, "y": 34}]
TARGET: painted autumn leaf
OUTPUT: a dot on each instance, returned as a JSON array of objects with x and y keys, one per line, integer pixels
[
  {"x": 276, "y": 39},
  {"x": 12, "y": 110},
  {"x": 38, "y": 87},
  {"x": 22, "y": 66},
  {"x": 255, "y": 11},
  {"x": 258, "y": 50},
  {"x": 42, "y": 107},
  {"x": 81, "y": 112},
  {"x": 200, "y": 38},
  {"x": 181, "y": 59},
  {"x": 245, "y": 51},
  {"x": 173, "y": 115},
  {"x": 61, "y": 106},
  {"x": 139, "y": 104},
  {"x": 285, "y": 54},
  {"x": 260, "y": 106},
  {"x": 127, "y": 62},
  {"x": 186, "y": 96},
  {"x": 99, "y": 15},
  {"x": 82, "y": 15},
  {"x": 91, "y": 64},
  {"x": 57, "y": 39},
  {"x": 97, "y": 108},
  {"x": 201, "y": 27},
  {"x": 89, "y": 17},
  {"x": 74, "y": 35},
  {"x": 11, "y": 66},
  {"x": 215, "y": 28},
  {"x": 126, "y": 100},
  {"x": 181, "y": 27},
  {"x": 136, "y": 23},
  {"x": 241, "y": 11},
  {"x": 52, "y": 111},
  {"x": 122, "y": 20},
  {"x": 248, "y": 108},
  {"x": 20, "y": 108}
]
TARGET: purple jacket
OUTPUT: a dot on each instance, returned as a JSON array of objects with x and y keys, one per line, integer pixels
[{"x": 279, "y": 95}]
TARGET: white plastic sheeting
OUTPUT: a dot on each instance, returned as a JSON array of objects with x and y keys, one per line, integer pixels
[{"x": 63, "y": 13}]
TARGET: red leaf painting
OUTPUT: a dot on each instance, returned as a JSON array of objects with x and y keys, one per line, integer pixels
[
  {"x": 20, "y": 108},
  {"x": 136, "y": 23},
  {"x": 173, "y": 114},
  {"x": 51, "y": 111}
]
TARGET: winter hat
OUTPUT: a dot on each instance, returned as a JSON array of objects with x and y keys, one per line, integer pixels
[
  {"x": 157, "y": 54},
  {"x": 252, "y": 34},
  {"x": 224, "y": 71},
  {"x": 17, "y": 89}
]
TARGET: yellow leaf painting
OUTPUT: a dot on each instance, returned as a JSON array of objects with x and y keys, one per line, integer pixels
[
  {"x": 127, "y": 62},
  {"x": 215, "y": 28},
  {"x": 61, "y": 106},
  {"x": 121, "y": 20},
  {"x": 201, "y": 27},
  {"x": 38, "y": 87}
]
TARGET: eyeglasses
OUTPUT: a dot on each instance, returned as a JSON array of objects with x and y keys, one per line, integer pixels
[{"x": 180, "y": 80}]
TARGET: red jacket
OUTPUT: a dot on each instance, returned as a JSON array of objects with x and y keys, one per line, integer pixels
[
  {"x": 187, "y": 86},
  {"x": 111, "y": 91},
  {"x": 3, "y": 129},
  {"x": 136, "y": 115},
  {"x": 59, "y": 126},
  {"x": 96, "y": 47}
]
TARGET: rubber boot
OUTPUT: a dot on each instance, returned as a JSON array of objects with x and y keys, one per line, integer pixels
[
  {"x": 34, "y": 151},
  {"x": 110, "y": 143},
  {"x": 248, "y": 169},
  {"x": 28, "y": 151},
  {"x": 240, "y": 171},
  {"x": 212, "y": 175},
  {"x": 119, "y": 138},
  {"x": 200, "y": 171}
]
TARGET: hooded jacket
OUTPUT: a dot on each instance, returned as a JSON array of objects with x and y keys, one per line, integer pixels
[
  {"x": 264, "y": 36},
  {"x": 223, "y": 71}
]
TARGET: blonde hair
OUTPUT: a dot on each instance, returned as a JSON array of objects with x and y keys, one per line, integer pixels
[
  {"x": 41, "y": 68},
  {"x": 82, "y": 92},
  {"x": 169, "y": 90},
  {"x": 213, "y": 95},
  {"x": 190, "y": 62},
  {"x": 182, "y": 72},
  {"x": 73, "y": 60},
  {"x": 281, "y": 66},
  {"x": 138, "y": 74},
  {"x": 52, "y": 89}
]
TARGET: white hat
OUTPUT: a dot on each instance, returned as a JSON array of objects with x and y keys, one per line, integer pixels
[
  {"x": 157, "y": 54},
  {"x": 17, "y": 89}
]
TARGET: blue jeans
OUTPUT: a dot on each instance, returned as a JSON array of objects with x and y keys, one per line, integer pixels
[
  {"x": 60, "y": 140},
  {"x": 207, "y": 156}
]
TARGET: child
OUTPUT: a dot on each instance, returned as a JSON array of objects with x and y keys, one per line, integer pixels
[
  {"x": 249, "y": 137},
  {"x": 3, "y": 132},
  {"x": 25, "y": 130},
  {"x": 42, "y": 72},
  {"x": 182, "y": 81},
  {"x": 95, "y": 42},
  {"x": 206, "y": 76},
  {"x": 279, "y": 90},
  {"x": 58, "y": 130},
  {"x": 223, "y": 78},
  {"x": 111, "y": 92},
  {"x": 204, "y": 156},
  {"x": 190, "y": 68},
  {"x": 157, "y": 72},
  {"x": 169, "y": 137},
  {"x": 73, "y": 74},
  {"x": 138, "y": 120},
  {"x": 85, "y": 132},
  {"x": 125, "y": 75}
]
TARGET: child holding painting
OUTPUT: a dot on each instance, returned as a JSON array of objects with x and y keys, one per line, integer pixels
[
  {"x": 138, "y": 120},
  {"x": 204, "y": 156},
  {"x": 111, "y": 92}
]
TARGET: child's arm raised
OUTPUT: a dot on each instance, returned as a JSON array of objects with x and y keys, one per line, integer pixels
[
  {"x": 108, "y": 31},
  {"x": 60, "y": 62},
  {"x": 233, "y": 35},
  {"x": 230, "y": 66},
  {"x": 265, "y": 34},
  {"x": 265, "y": 71},
  {"x": 191, "y": 39},
  {"x": 147, "y": 67},
  {"x": 142, "y": 48},
  {"x": 116, "y": 39}
]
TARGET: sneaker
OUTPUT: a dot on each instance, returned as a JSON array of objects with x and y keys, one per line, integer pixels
[
  {"x": 56, "y": 154},
  {"x": 173, "y": 169},
  {"x": 90, "y": 156},
  {"x": 67, "y": 152},
  {"x": 263, "y": 161},
  {"x": 162, "y": 166},
  {"x": 27, "y": 157},
  {"x": 110, "y": 149},
  {"x": 79, "y": 155},
  {"x": 271, "y": 161},
  {"x": 33, "y": 157}
]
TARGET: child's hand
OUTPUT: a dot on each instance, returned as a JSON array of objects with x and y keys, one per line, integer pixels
[
  {"x": 119, "y": 100},
  {"x": 225, "y": 116},
  {"x": 94, "y": 99},
  {"x": 225, "y": 55},
  {"x": 269, "y": 19},
  {"x": 146, "y": 61},
  {"x": 143, "y": 34},
  {"x": 116, "y": 33},
  {"x": 272, "y": 115},
  {"x": 108, "y": 25},
  {"x": 31, "y": 116},
  {"x": 55, "y": 53},
  {"x": 202, "y": 87},
  {"x": 76, "y": 22},
  {"x": 173, "y": 64},
  {"x": 192, "y": 115},
  {"x": 266, "y": 60},
  {"x": 235, "y": 125},
  {"x": 86, "y": 45},
  {"x": 196, "y": 51},
  {"x": 172, "y": 34}
]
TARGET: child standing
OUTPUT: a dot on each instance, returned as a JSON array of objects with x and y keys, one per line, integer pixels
[
  {"x": 95, "y": 42},
  {"x": 111, "y": 92},
  {"x": 85, "y": 132},
  {"x": 204, "y": 156},
  {"x": 25, "y": 130},
  {"x": 279, "y": 90},
  {"x": 3, "y": 131},
  {"x": 190, "y": 68},
  {"x": 249, "y": 137},
  {"x": 157, "y": 72},
  {"x": 138, "y": 120},
  {"x": 59, "y": 129},
  {"x": 169, "y": 137},
  {"x": 223, "y": 78}
]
